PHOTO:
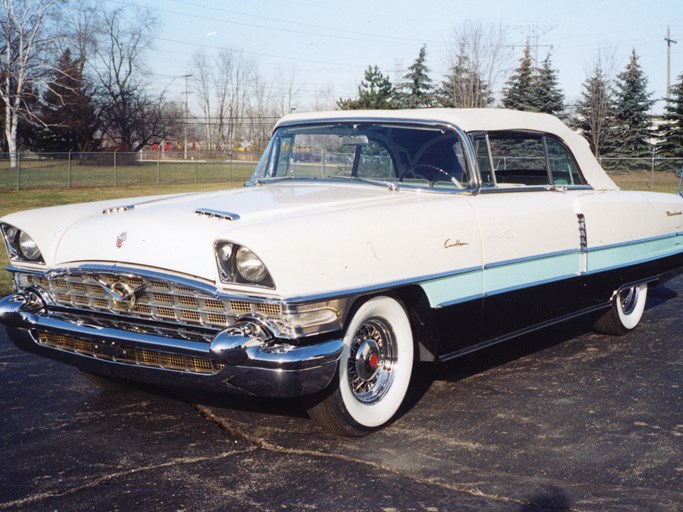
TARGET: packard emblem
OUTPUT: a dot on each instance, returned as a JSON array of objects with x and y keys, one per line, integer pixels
[
  {"x": 120, "y": 239},
  {"x": 123, "y": 294}
]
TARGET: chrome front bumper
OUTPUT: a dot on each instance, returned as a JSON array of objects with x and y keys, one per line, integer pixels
[{"x": 237, "y": 359}]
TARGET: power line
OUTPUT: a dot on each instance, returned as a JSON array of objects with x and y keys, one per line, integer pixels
[{"x": 369, "y": 37}]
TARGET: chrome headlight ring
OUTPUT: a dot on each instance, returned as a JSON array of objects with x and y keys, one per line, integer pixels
[
  {"x": 20, "y": 246},
  {"x": 239, "y": 264}
]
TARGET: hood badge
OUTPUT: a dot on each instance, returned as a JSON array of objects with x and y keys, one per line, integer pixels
[{"x": 121, "y": 239}]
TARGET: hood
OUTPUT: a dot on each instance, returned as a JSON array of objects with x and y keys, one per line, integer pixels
[{"x": 284, "y": 223}]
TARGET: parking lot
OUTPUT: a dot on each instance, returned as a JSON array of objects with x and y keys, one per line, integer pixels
[{"x": 564, "y": 419}]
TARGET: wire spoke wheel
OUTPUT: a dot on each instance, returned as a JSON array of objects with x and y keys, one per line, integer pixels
[
  {"x": 371, "y": 360},
  {"x": 374, "y": 370}
]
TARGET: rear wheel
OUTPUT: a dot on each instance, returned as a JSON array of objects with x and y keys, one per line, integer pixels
[
  {"x": 374, "y": 370},
  {"x": 626, "y": 311}
]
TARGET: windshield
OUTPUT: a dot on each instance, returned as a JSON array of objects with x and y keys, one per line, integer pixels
[{"x": 413, "y": 155}]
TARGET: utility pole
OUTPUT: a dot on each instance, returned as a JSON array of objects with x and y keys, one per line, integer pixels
[
  {"x": 669, "y": 42},
  {"x": 534, "y": 33},
  {"x": 186, "y": 116}
]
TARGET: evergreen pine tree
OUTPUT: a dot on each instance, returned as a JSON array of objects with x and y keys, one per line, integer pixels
[
  {"x": 518, "y": 93},
  {"x": 417, "y": 88},
  {"x": 546, "y": 95},
  {"x": 464, "y": 88},
  {"x": 670, "y": 132},
  {"x": 375, "y": 92},
  {"x": 66, "y": 111},
  {"x": 594, "y": 112},
  {"x": 631, "y": 120}
]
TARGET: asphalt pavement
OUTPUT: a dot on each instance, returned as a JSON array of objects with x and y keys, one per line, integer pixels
[{"x": 560, "y": 420}]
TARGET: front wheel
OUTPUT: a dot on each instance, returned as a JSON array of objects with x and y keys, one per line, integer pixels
[
  {"x": 374, "y": 370},
  {"x": 626, "y": 311}
]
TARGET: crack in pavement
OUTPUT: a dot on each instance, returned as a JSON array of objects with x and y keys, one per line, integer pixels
[
  {"x": 30, "y": 500},
  {"x": 265, "y": 445}
]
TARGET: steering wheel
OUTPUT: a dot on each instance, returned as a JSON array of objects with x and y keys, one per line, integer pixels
[{"x": 414, "y": 171}]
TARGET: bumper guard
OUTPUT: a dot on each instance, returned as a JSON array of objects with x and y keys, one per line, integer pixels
[{"x": 247, "y": 359}]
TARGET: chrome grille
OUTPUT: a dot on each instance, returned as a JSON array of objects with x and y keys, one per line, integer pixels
[
  {"x": 131, "y": 355},
  {"x": 154, "y": 299}
]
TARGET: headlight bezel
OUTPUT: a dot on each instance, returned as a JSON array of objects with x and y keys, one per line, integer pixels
[
  {"x": 231, "y": 271},
  {"x": 15, "y": 241}
]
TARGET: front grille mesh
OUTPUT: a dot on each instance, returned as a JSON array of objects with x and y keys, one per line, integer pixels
[
  {"x": 131, "y": 355},
  {"x": 155, "y": 299}
]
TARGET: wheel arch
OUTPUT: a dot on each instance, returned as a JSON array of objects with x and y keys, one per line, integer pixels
[{"x": 419, "y": 312}]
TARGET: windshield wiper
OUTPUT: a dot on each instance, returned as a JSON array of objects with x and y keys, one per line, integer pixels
[{"x": 382, "y": 183}]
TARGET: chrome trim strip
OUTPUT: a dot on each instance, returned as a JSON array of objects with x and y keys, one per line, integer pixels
[
  {"x": 378, "y": 287},
  {"x": 531, "y": 258},
  {"x": 632, "y": 242},
  {"x": 534, "y": 188}
]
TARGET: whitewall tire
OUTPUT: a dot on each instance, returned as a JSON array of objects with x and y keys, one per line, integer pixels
[
  {"x": 626, "y": 311},
  {"x": 374, "y": 370}
]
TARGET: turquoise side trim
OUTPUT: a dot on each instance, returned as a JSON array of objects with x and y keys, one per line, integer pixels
[
  {"x": 505, "y": 276},
  {"x": 501, "y": 277},
  {"x": 452, "y": 289},
  {"x": 520, "y": 274},
  {"x": 605, "y": 258}
]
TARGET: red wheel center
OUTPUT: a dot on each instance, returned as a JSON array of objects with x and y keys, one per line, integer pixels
[{"x": 373, "y": 361}]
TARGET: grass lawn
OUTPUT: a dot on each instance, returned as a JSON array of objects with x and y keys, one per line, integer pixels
[
  {"x": 59, "y": 173},
  {"x": 16, "y": 200}
]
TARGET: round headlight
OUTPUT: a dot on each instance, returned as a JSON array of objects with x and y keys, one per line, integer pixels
[
  {"x": 223, "y": 254},
  {"x": 250, "y": 266},
  {"x": 28, "y": 247},
  {"x": 11, "y": 233}
]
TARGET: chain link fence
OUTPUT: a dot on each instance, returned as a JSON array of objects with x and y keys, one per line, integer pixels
[
  {"x": 653, "y": 173},
  {"x": 116, "y": 169}
]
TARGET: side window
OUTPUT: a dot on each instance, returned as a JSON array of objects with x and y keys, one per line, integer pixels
[
  {"x": 481, "y": 151},
  {"x": 375, "y": 162},
  {"x": 563, "y": 168},
  {"x": 518, "y": 158},
  {"x": 283, "y": 156}
]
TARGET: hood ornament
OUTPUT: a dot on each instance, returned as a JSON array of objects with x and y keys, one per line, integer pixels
[{"x": 123, "y": 294}]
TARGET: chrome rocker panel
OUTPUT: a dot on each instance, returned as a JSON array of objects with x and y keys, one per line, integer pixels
[{"x": 244, "y": 362}]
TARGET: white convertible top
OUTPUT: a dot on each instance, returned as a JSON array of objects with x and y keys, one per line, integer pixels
[{"x": 480, "y": 119}]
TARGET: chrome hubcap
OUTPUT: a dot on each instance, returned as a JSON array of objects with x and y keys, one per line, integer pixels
[
  {"x": 372, "y": 355},
  {"x": 628, "y": 299}
]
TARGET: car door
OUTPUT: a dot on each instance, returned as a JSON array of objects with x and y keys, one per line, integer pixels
[{"x": 530, "y": 233}]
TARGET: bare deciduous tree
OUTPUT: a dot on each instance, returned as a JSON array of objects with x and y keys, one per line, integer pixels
[
  {"x": 26, "y": 39},
  {"x": 289, "y": 90},
  {"x": 201, "y": 74},
  {"x": 224, "y": 88},
  {"x": 478, "y": 59},
  {"x": 131, "y": 118}
]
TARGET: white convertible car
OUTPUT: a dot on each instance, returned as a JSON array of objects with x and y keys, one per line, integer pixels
[{"x": 364, "y": 242}]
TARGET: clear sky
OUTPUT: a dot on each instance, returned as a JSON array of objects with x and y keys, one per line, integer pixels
[{"x": 328, "y": 44}]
